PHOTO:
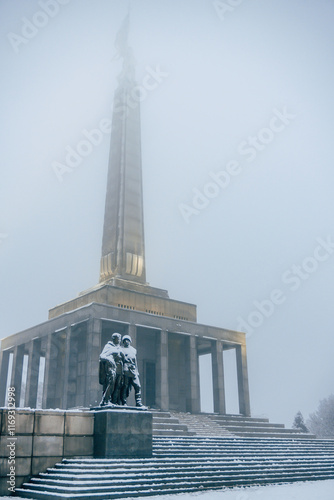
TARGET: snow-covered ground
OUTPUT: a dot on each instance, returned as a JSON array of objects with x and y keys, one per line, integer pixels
[{"x": 322, "y": 490}]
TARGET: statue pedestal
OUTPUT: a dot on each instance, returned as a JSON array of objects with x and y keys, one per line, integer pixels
[{"x": 122, "y": 433}]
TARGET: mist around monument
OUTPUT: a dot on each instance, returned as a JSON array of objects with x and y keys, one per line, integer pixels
[{"x": 256, "y": 253}]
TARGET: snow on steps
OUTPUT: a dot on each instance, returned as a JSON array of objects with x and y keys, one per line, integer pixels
[
  {"x": 166, "y": 425},
  {"x": 213, "y": 424},
  {"x": 257, "y": 427},
  {"x": 187, "y": 464},
  {"x": 201, "y": 424}
]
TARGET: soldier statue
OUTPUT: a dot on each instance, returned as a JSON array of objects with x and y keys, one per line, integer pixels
[
  {"x": 111, "y": 371},
  {"x": 130, "y": 372}
]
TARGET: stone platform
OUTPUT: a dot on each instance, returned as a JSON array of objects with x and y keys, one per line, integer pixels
[
  {"x": 122, "y": 433},
  {"x": 38, "y": 439}
]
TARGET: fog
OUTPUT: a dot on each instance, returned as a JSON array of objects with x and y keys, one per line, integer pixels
[{"x": 237, "y": 162}]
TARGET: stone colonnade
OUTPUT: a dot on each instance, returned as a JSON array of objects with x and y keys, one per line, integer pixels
[{"x": 59, "y": 368}]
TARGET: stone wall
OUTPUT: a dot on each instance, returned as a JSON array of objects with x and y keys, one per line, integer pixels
[{"x": 33, "y": 440}]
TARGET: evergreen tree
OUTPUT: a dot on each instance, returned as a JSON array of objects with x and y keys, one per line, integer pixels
[
  {"x": 299, "y": 423},
  {"x": 321, "y": 422}
]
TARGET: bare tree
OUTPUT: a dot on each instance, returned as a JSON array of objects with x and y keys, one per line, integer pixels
[{"x": 321, "y": 422}]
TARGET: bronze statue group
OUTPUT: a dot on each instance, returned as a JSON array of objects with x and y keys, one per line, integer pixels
[{"x": 118, "y": 371}]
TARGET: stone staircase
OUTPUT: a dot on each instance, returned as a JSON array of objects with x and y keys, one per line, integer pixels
[
  {"x": 164, "y": 424},
  {"x": 256, "y": 427},
  {"x": 211, "y": 424},
  {"x": 187, "y": 464},
  {"x": 201, "y": 424}
]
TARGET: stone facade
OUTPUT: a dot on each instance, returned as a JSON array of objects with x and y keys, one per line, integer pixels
[
  {"x": 167, "y": 351},
  {"x": 40, "y": 440}
]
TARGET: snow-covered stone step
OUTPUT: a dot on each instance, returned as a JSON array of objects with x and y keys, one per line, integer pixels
[
  {"x": 278, "y": 444},
  {"x": 160, "y": 414},
  {"x": 237, "y": 418},
  {"x": 247, "y": 423},
  {"x": 289, "y": 434},
  {"x": 170, "y": 425},
  {"x": 243, "y": 442},
  {"x": 171, "y": 432},
  {"x": 180, "y": 450},
  {"x": 232, "y": 460},
  {"x": 235, "y": 453},
  {"x": 161, "y": 487},
  {"x": 189, "y": 469},
  {"x": 165, "y": 420},
  {"x": 187, "y": 465},
  {"x": 192, "y": 461},
  {"x": 263, "y": 430},
  {"x": 248, "y": 456},
  {"x": 226, "y": 446}
]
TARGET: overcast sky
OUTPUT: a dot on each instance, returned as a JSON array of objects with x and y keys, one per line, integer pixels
[{"x": 237, "y": 145}]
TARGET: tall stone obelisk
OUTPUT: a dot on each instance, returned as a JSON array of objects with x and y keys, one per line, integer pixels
[
  {"x": 123, "y": 248},
  {"x": 122, "y": 282}
]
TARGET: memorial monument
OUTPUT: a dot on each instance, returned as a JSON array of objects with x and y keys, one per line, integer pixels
[
  {"x": 118, "y": 371},
  {"x": 61, "y": 354}
]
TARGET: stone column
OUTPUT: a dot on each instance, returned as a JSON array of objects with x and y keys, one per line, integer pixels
[
  {"x": 47, "y": 393},
  {"x": 94, "y": 389},
  {"x": 47, "y": 371},
  {"x": 132, "y": 331},
  {"x": 218, "y": 377},
  {"x": 4, "y": 362},
  {"x": 77, "y": 372},
  {"x": 34, "y": 354},
  {"x": 54, "y": 371},
  {"x": 17, "y": 371},
  {"x": 243, "y": 389},
  {"x": 162, "y": 386},
  {"x": 66, "y": 366},
  {"x": 193, "y": 404}
]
